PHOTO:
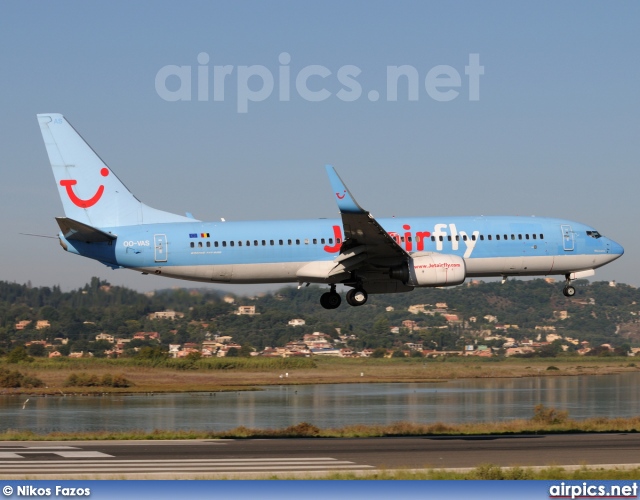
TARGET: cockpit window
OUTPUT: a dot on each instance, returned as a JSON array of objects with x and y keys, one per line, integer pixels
[{"x": 594, "y": 234}]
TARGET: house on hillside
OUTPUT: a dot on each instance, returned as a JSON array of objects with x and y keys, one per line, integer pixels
[
  {"x": 105, "y": 336},
  {"x": 172, "y": 315},
  {"x": 246, "y": 310}
]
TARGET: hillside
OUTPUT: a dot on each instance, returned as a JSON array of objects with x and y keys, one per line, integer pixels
[{"x": 520, "y": 310}]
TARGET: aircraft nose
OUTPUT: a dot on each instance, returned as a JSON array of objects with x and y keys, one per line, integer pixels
[{"x": 615, "y": 248}]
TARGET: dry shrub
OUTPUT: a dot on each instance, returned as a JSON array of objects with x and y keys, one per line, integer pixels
[
  {"x": 303, "y": 429},
  {"x": 551, "y": 416}
]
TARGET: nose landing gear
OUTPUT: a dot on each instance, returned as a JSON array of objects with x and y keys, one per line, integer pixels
[{"x": 568, "y": 290}]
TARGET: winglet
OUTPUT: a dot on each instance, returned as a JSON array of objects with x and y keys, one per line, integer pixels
[{"x": 346, "y": 203}]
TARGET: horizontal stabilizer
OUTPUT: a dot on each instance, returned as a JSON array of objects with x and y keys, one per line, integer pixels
[{"x": 74, "y": 230}]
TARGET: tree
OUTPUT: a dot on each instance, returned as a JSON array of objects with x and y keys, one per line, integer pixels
[
  {"x": 245, "y": 351},
  {"x": 156, "y": 352},
  {"x": 37, "y": 350},
  {"x": 381, "y": 325},
  {"x": 18, "y": 354},
  {"x": 233, "y": 352},
  {"x": 380, "y": 352}
]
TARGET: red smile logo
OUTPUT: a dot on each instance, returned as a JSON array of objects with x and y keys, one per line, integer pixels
[{"x": 79, "y": 202}]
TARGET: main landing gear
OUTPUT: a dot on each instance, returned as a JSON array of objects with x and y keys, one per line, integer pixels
[
  {"x": 568, "y": 290},
  {"x": 356, "y": 297},
  {"x": 331, "y": 299}
]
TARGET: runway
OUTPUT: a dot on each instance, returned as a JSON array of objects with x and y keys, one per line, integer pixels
[{"x": 235, "y": 458}]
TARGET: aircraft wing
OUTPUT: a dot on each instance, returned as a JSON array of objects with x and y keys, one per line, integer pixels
[{"x": 367, "y": 245}]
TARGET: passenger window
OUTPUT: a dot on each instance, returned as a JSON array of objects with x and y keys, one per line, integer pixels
[
  {"x": 489, "y": 237},
  {"x": 481, "y": 237},
  {"x": 199, "y": 244},
  {"x": 192, "y": 244},
  {"x": 330, "y": 241},
  {"x": 497, "y": 236},
  {"x": 513, "y": 236},
  {"x": 315, "y": 241},
  {"x": 297, "y": 242},
  {"x": 464, "y": 237},
  {"x": 224, "y": 243},
  {"x": 526, "y": 236},
  {"x": 280, "y": 242},
  {"x": 542, "y": 236},
  {"x": 449, "y": 238},
  {"x": 433, "y": 238},
  {"x": 322, "y": 241},
  {"x": 208, "y": 244},
  {"x": 231, "y": 243},
  {"x": 239, "y": 243}
]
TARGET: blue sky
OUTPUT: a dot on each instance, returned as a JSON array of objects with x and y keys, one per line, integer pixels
[{"x": 553, "y": 133}]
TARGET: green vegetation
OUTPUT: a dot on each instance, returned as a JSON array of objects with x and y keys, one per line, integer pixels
[
  {"x": 15, "y": 379},
  {"x": 598, "y": 314},
  {"x": 107, "y": 380}
]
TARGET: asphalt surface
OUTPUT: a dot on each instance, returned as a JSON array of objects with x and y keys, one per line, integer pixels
[{"x": 235, "y": 458}]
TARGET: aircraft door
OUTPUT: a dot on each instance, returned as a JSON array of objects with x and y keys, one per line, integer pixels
[
  {"x": 568, "y": 238},
  {"x": 160, "y": 245}
]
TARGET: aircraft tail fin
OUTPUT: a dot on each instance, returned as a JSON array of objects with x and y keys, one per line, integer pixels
[{"x": 90, "y": 191}]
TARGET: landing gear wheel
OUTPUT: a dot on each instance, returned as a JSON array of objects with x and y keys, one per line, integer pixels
[
  {"x": 356, "y": 297},
  {"x": 330, "y": 300},
  {"x": 569, "y": 291}
]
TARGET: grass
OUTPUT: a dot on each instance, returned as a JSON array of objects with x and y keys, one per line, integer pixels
[
  {"x": 485, "y": 471},
  {"x": 241, "y": 373}
]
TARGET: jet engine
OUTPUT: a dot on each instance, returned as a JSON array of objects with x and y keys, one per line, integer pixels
[{"x": 431, "y": 269}]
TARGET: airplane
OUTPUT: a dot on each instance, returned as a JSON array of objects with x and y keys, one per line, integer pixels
[{"x": 106, "y": 222}]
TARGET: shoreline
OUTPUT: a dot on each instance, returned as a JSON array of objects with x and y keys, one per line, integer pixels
[
  {"x": 161, "y": 380},
  {"x": 212, "y": 376}
]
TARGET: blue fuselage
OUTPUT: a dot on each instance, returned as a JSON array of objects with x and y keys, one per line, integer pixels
[{"x": 272, "y": 251}]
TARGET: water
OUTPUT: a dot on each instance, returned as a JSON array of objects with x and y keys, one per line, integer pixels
[{"x": 478, "y": 400}]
